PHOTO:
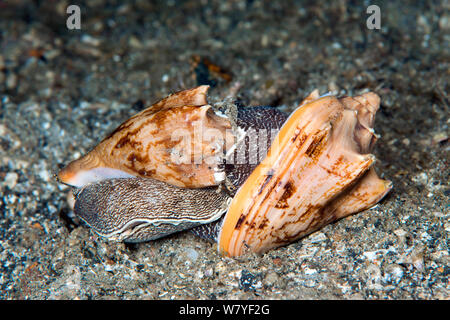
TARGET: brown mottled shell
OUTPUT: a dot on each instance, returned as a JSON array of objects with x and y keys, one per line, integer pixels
[
  {"x": 317, "y": 170},
  {"x": 179, "y": 140}
]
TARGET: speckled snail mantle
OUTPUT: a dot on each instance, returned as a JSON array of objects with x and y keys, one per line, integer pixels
[{"x": 249, "y": 178}]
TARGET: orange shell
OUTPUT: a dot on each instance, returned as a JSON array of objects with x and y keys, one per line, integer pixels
[
  {"x": 179, "y": 140},
  {"x": 316, "y": 171}
]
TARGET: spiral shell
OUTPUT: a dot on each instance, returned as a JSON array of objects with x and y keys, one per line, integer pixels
[
  {"x": 179, "y": 140},
  {"x": 317, "y": 170}
]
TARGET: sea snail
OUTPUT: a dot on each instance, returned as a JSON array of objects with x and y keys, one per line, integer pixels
[{"x": 250, "y": 178}]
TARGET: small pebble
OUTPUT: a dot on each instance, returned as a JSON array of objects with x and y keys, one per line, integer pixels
[
  {"x": 209, "y": 272},
  {"x": 44, "y": 175},
  {"x": 11, "y": 81},
  {"x": 393, "y": 273},
  {"x": 309, "y": 271},
  {"x": 191, "y": 254},
  {"x": 400, "y": 233},
  {"x": 264, "y": 40},
  {"x": 3, "y": 130},
  {"x": 271, "y": 278},
  {"x": 11, "y": 179},
  {"x": 88, "y": 39},
  {"x": 439, "y": 137},
  {"x": 444, "y": 23},
  {"x": 421, "y": 178},
  {"x": 417, "y": 258},
  {"x": 318, "y": 237},
  {"x": 373, "y": 274}
]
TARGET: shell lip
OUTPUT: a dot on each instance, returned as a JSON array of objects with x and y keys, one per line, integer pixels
[
  {"x": 235, "y": 216},
  {"x": 81, "y": 178},
  {"x": 56, "y": 176}
]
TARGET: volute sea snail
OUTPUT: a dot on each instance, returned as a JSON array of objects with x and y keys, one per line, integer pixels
[{"x": 251, "y": 178}]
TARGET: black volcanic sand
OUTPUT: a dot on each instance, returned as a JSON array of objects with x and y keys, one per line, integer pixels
[{"x": 62, "y": 91}]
